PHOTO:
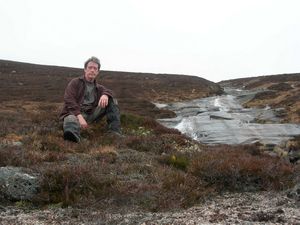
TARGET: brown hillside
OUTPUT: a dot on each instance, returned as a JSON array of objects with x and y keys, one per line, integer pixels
[
  {"x": 280, "y": 91},
  {"x": 135, "y": 91},
  {"x": 150, "y": 172}
]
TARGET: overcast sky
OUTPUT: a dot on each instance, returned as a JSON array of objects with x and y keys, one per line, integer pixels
[{"x": 213, "y": 39}]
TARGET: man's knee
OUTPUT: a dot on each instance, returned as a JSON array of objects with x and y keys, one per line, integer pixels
[
  {"x": 71, "y": 123},
  {"x": 112, "y": 101},
  {"x": 70, "y": 119},
  {"x": 115, "y": 101}
]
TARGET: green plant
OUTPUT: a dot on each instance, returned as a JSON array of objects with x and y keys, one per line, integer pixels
[
  {"x": 24, "y": 204},
  {"x": 131, "y": 121},
  {"x": 178, "y": 161}
]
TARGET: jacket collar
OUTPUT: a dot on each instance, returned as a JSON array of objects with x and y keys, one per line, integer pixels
[{"x": 83, "y": 79}]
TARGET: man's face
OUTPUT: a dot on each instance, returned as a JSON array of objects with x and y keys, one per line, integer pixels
[{"x": 91, "y": 71}]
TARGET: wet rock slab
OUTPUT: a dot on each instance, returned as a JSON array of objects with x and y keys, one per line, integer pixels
[{"x": 223, "y": 120}]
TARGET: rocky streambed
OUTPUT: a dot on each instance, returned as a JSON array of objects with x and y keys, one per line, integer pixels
[{"x": 223, "y": 120}]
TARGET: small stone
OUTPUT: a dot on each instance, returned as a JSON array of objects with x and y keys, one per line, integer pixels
[
  {"x": 280, "y": 211},
  {"x": 17, "y": 143}
]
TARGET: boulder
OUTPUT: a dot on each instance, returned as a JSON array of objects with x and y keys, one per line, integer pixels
[
  {"x": 294, "y": 156},
  {"x": 294, "y": 193},
  {"x": 18, "y": 184}
]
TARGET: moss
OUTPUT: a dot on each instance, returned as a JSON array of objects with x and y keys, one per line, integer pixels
[
  {"x": 178, "y": 161},
  {"x": 130, "y": 121},
  {"x": 24, "y": 204}
]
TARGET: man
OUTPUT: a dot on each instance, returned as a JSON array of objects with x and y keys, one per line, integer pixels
[{"x": 86, "y": 101}]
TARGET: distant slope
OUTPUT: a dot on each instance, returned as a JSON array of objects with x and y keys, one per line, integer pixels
[
  {"x": 280, "y": 91},
  {"x": 135, "y": 91}
]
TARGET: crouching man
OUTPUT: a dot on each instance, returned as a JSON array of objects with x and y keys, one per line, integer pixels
[{"x": 86, "y": 101}]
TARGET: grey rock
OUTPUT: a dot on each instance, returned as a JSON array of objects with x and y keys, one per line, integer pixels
[
  {"x": 16, "y": 184},
  {"x": 294, "y": 156},
  {"x": 5, "y": 143},
  {"x": 294, "y": 193},
  {"x": 219, "y": 117},
  {"x": 17, "y": 143}
]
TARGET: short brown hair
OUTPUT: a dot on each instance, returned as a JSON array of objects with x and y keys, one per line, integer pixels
[{"x": 92, "y": 59}]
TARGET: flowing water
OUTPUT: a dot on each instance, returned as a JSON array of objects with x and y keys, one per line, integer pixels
[{"x": 223, "y": 120}]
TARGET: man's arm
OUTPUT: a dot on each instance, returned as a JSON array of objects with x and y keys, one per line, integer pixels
[
  {"x": 103, "y": 101},
  {"x": 71, "y": 99},
  {"x": 104, "y": 94}
]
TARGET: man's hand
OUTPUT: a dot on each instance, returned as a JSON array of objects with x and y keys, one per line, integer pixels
[
  {"x": 82, "y": 122},
  {"x": 103, "y": 102}
]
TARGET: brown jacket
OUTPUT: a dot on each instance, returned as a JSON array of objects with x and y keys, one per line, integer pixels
[{"x": 74, "y": 95}]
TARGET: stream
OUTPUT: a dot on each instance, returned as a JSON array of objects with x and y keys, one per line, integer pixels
[{"x": 223, "y": 120}]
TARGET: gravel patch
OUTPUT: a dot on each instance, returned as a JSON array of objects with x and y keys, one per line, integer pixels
[{"x": 238, "y": 208}]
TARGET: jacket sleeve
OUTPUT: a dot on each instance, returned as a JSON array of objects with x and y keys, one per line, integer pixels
[
  {"x": 104, "y": 91},
  {"x": 71, "y": 98}
]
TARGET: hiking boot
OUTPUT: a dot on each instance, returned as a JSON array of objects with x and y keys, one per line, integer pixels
[
  {"x": 116, "y": 134},
  {"x": 69, "y": 136}
]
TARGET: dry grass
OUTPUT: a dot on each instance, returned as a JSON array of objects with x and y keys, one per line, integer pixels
[
  {"x": 152, "y": 168},
  {"x": 239, "y": 169}
]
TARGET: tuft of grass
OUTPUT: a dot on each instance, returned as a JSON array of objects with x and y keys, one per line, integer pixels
[
  {"x": 178, "y": 161},
  {"x": 72, "y": 183},
  {"x": 180, "y": 190},
  {"x": 163, "y": 143},
  {"x": 131, "y": 121},
  {"x": 18, "y": 156},
  {"x": 11, "y": 156},
  {"x": 153, "y": 144},
  {"x": 144, "y": 126},
  {"x": 24, "y": 204},
  {"x": 236, "y": 170},
  {"x": 104, "y": 153}
]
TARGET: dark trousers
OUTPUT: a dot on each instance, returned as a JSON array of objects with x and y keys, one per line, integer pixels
[{"x": 111, "y": 111}]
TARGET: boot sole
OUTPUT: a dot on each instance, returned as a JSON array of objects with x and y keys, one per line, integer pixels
[{"x": 69, "y": 136}]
